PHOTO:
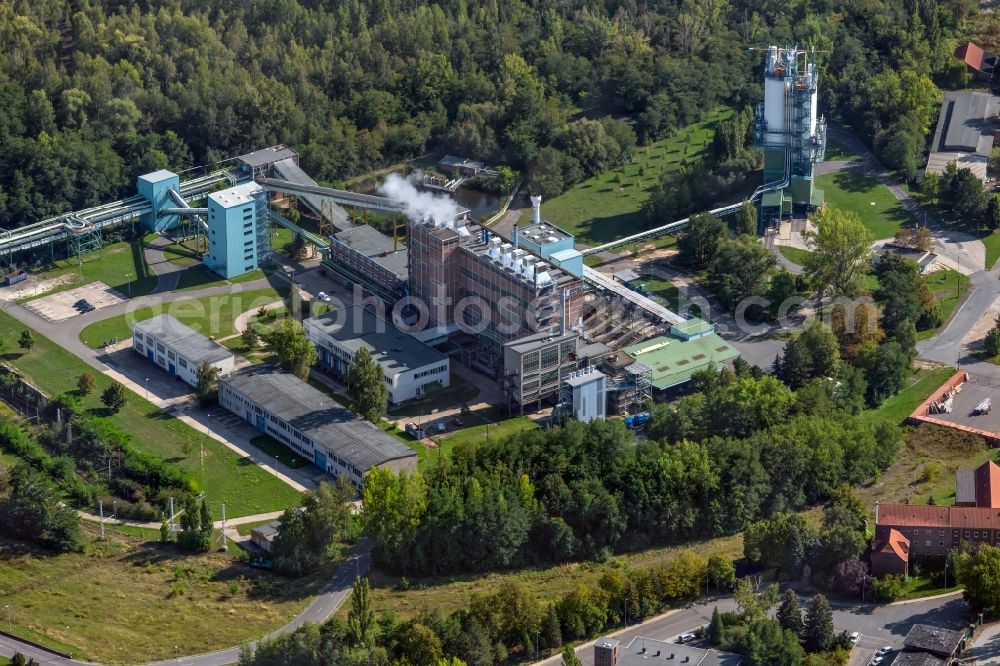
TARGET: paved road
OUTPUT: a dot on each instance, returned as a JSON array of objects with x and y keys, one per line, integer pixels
[
  {"x": 322, "y": 607},
  {"x": 879, "y": 625},
  {"x": 167, "y": 272}
]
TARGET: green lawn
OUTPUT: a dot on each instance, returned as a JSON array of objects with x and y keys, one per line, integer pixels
[
  {"x": 857, "y": 192},
  {"x": 838, "y": 151},
  {"x": 222, "y": 474},
  {"x": 901, "y": 405},
  {"x": 664, "y": 290},
  {"x": 199, "y": 277},
  {"x": 185, "y": 253},
  {"x": 273, "y": 448},
  {"x": 608, "y": 206},
  {"x": 479, "y": 434},
  {"x": 794, "y": 254},
  {"x": 112, "y": 265},
  {"x": 211, "y": 315},
  {"x": 948, "y": 286},
  {"x": 992, "y": 243},
  {"x": 917, "y": 587}
]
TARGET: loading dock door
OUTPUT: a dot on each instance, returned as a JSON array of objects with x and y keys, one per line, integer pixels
[
  {"x": 260, "y": 423},
  {"x": 320, "y": 459}
]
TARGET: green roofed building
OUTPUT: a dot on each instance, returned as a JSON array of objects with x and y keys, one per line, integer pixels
[{"x": 673, "y": 359}]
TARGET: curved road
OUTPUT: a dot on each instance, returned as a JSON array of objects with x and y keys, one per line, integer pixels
[{"x": 945, "y": 347}]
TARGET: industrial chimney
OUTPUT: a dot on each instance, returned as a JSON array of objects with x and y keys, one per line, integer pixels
[{"x": 536, "y": 206}]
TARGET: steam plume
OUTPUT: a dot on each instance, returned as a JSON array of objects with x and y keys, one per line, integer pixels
[{"x": 419, "y": 205}]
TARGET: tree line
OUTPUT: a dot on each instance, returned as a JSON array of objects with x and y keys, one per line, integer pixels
[{"x": 740, "y": 448}]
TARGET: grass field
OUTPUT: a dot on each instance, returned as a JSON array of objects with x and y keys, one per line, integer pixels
[
  {"x": 901, "y": 405},
  {"x": 210, "y": 315},
  {"x": 838, "y": 151},
  {"x": 479, "y": 434},
  {"x": 112, "y": 265},
  {"x": 854, "y": 191},
  {"x": 199, "y": 277},
  {"x": 794, "y": 254},
  {"x": 273, "y": 448},
  {"x": 608, "y": 206},
  {"x": 949, "y": 287},
  {"x": 102, "y": 605},
  {"x": 185, "y": 253},
  {"x": 662, "y": 289},
  {"x": 223, "y": 475},
  {"x": 992, "y": 243}
]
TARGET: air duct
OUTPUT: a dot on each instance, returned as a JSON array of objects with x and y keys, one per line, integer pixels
[{"x": 536, "y": 208}]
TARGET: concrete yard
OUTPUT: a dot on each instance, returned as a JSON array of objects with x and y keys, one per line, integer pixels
[
  {"x": 63, "y": 305},
  {"x": 966, "y": 401}
]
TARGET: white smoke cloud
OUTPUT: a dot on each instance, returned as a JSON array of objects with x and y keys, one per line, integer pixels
[{"x": 420, "y": 205}]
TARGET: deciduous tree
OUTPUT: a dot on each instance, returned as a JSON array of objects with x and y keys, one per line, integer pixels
[
  {"x": 366, "y": 386},
  {"x": 114, "y": 397},
  {"x": 841, "y": 253}
]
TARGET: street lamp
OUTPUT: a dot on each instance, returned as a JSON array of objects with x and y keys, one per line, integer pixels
[
  {"x": 9, "y": 625},
  {"x": 147, "y": 389},
  {"x": 128, "y": 276}
]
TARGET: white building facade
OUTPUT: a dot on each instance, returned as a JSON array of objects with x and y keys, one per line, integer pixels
[{"x": 178, "y": 349}]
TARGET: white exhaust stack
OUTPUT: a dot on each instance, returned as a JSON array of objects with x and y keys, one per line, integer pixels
[{"x": 536, "y": 207}]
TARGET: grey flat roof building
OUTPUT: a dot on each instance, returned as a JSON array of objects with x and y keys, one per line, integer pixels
[
  {"x": 642, "y": 651},
  {"x": 356, "y": 328},
  {"x": 266, "y": 156},
  {"x": 324, "y": 422},
  {"x": 376, "y": 246},
  {"x": 195, "y": 347}
]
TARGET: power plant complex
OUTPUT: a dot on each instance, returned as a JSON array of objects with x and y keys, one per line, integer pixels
[{"x": 524, "y": 310}]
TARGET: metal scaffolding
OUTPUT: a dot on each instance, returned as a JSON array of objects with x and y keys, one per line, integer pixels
[{"x": 82, "y": 237}]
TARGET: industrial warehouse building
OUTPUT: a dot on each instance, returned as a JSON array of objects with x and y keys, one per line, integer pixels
[
  {"x": 365, "y": 256},
  {"x": 408, "y": 365},
  {"x": 179, "y": 349},
  {"x": 305, "y": 420}
]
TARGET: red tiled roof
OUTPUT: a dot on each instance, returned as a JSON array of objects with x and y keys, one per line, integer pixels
[
  {"x": 923, "y": 515},
  {"x": 971, "y": 54},
  {"x": 988, "y": 485},
  {"x": 895, "y": 543}
]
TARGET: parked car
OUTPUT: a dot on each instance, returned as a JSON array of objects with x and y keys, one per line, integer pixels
[
  {"x": 686, "y": 638},
  {"x": 884, "y": 650},
  {"x": 323, "y": 296},
  {"x": 442, "y": 426},
  {"x": 855, "y": 637}
]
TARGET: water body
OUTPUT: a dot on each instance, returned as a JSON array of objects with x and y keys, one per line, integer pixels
[{"x": 482, "y": 204}]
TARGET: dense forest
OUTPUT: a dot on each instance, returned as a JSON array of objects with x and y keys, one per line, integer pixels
[{"x": 95, "y": 92}]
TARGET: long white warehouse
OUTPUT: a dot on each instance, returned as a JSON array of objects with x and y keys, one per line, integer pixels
[{"x": 179, "y": 349}]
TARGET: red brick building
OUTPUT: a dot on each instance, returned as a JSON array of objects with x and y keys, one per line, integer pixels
[
  {"x": 919, "y": 530},
  {"x": 891, "y": 554}
]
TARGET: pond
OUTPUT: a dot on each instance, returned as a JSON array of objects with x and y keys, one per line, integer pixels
[{"x": 482, "y": 204}]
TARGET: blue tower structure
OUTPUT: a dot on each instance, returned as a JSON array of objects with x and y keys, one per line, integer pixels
[
  {"x": 788, "y": 130},
  {"x": 154, "y": 188},
  {"x": 237, "y": 230}
]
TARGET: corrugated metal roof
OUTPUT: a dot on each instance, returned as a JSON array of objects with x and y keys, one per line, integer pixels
[
  {"x": 319, "y": 418},
  {"x": 187, "y": 342}
]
